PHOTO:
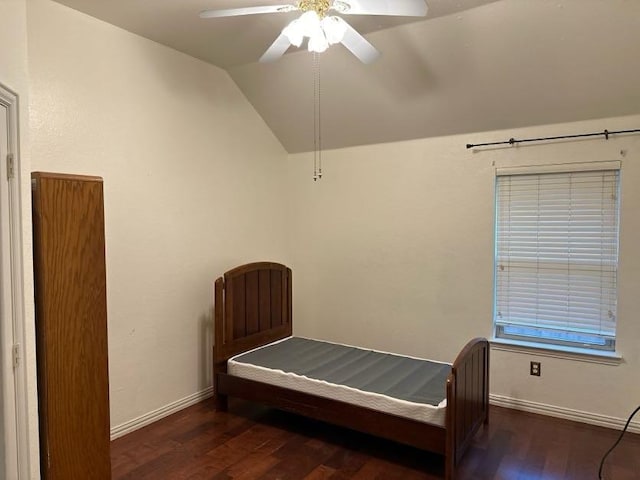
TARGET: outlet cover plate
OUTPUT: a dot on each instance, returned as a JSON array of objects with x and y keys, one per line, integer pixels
[{"x": 535, "y": 369}]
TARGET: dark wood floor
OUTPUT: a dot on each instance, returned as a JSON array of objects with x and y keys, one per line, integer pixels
[{"x": 252, "y": 442}]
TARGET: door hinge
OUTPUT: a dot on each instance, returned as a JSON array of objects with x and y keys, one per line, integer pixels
[
  {"x": 10, "y": 165},
  {"x": 16, "y": 355}
]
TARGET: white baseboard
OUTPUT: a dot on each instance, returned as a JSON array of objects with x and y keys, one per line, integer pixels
[
  {"x": 566, "y": 413},
  {"x": 498, "y": 400},
  {"x": 154, "y": 416}
]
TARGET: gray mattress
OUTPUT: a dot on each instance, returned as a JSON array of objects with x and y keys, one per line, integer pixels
[{"x": 410, "y": 379}]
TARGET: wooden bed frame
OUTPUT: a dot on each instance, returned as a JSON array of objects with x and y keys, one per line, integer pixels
[{"x": 253, "y": 308}]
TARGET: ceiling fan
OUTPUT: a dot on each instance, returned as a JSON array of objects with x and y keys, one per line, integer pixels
[{"x": 323, "y": 30}]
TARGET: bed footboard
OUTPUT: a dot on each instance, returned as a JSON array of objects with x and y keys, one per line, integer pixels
[{"x": 467, "y": 400}]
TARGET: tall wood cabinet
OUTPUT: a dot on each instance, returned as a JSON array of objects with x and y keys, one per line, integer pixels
[{"x": 71, "y": 326}]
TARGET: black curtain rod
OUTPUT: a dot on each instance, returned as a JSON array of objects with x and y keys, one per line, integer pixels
[{"x": 513, "y": 141}]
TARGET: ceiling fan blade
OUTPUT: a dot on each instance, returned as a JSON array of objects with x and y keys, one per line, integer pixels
[
  {"x": 405, "y": 8},
  {"x": 234, "y": 12},
  {"x": 358, "y": 45},
  {"x": 276, "y": 50}
]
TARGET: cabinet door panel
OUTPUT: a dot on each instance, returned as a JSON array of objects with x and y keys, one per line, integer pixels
[{"x": 71, "y": 326}]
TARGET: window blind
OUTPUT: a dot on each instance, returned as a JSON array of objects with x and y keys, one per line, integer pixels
[{"x": 557, "y": 257}]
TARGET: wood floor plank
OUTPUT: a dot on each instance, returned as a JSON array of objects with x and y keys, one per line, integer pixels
[
  {"x": 305, "y": 459},
  {"x": 252, "y": 442},
  {"x": 346, "y": 462},
  {"x": 321, "y": 472}
]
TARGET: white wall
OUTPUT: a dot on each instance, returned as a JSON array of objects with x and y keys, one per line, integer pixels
[
  {"x": 14, "y": 75},
  {"x": 393, "y": 249},
  {"x": 193, "y": 183}
]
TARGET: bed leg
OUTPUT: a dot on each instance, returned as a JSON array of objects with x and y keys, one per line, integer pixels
[
  {"x": 487, "y": 354},
  {"x": 222, "y": 403},
  {"x": 449, "y": 467},
  {"x": 221, "y": 400}
]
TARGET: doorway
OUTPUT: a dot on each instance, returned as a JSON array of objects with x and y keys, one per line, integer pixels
[{"x": 13, "y": 439}]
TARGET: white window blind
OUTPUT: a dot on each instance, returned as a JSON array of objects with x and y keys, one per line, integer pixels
[{"x": 557, "y": 258}]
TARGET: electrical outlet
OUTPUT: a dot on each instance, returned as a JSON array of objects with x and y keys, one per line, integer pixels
[{"x": 535, "y": 369}]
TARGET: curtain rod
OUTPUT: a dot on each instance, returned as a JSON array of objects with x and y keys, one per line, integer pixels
[{"x": 513, "y": 141}]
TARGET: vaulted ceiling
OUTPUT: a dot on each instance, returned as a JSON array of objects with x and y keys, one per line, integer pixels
[{"x": 468, "y": 66}]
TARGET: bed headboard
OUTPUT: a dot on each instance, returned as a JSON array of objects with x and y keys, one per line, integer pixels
[{"x": 252, "y": 308}]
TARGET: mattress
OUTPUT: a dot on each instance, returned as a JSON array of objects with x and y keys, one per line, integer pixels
[{"x": 405, "y": 386}]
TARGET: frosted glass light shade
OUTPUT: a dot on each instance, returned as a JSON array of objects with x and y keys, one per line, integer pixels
[
  {"x": 309, "y": 22},
  {"x": 318, "y": 43},
  {"x": 334, "y": 29},
  {"x": 294, "y": 33}
]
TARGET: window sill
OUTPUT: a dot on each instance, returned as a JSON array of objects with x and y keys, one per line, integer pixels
[{"x": 568, "y": 353}]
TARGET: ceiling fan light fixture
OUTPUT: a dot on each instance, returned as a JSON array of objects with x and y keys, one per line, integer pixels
[{"x": 321, "y": 33}]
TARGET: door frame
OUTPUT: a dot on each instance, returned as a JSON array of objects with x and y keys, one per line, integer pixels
[{"x": 16, "y": 406}]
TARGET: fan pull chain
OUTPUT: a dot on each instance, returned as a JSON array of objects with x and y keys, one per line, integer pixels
[
  {"x": 317, "y": 125},
  {"x": 315, "y": 116}
]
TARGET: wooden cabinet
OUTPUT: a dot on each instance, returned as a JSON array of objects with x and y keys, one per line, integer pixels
[{"x": 71, "y": 326}]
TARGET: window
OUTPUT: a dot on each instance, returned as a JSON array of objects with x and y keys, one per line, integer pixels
[{"x": 556, "y": 257}]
